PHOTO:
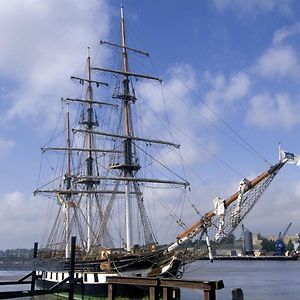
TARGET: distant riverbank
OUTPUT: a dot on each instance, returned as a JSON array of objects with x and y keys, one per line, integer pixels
[
  {"x": 17, "y": 264},
  {"x": 255, "y": 258}
]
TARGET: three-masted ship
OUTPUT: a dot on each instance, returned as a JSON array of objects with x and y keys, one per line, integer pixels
[{"x": 102, "y": 191}]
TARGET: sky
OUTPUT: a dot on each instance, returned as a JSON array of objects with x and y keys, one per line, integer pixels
[{"x": 231, "y": 72}]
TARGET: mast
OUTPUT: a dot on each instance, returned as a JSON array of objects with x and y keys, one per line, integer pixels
[
  {"x": 83, "y": 191},
  {"x": 89, "y": 160},
  {"x": 68, "y": 187},
  {"x": 127, "y": 141}
]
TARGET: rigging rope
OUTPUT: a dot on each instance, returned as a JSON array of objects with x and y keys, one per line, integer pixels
[
  {"x": 160, "y": 163},
  {"x": 250, "y": 147},
  {"x": 202, "y": 146}
]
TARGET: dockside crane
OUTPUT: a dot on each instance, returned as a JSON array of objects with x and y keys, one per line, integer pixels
[{"x": 279, "y": 243}]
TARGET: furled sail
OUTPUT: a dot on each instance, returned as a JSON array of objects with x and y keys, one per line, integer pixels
[{"x": 228, "y": 214}]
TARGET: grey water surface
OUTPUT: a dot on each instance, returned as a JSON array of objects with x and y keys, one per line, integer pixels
[{"x": 259, "y": 280}]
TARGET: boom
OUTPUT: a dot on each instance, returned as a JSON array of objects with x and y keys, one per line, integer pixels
[{"x": 228, "y": 213}]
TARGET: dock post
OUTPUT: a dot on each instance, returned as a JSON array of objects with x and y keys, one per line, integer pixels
[
  {"x": 167, "y": 293},
  {"x": 153, "y": 293},
  {"x": 237, "y": 294},
  {"x": 33, "y": 274},
  {"x": 209, "y": 294},
  {"x": 72, "y": 268},
  {"x": 176, "y": 293},
  {"x": 110, "y": 291}
]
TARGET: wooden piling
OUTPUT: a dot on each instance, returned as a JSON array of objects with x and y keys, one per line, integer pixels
[
  {"x": 110, "y": 292},
  {"x": 209, "y": 295},
  {"x": 153, "y": 293},
  {"x": 72, "y": 268},
  {"x": 237, "y": 294},
  {"x": 166, "y": 285},
  {"x": 167, "y": 293},
  {"x": 55, "y": 289},
  {"x": 33, "y": 274}
]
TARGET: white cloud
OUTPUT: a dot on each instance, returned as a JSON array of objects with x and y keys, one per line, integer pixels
[
  {"x": 281, "y": 61},
  {"x": 22, "y": 217},
  {"x": 225, "y": 93},
  {"x": 6, "y": 145},
  {"x": 177, "y": 90},
  {"x": 45, "y": 42},
  {"x": 279, "y": 111},
  {"x": 282, "y": 203},
  {"x": 231, "y": 88},
  {"x": 282, "y": 34},
  {"x": 238, "y": 87},
  {"x": 187, "y": 115},
  {"x": 255, "y": 6}
]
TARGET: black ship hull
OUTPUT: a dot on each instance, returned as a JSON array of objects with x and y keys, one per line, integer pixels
[
  {"x": 93, "y": 290},
  {"x": 92, "y": 284}
]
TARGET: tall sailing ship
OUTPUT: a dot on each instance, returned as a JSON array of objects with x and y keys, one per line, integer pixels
[{"x": 105, "y": 184}]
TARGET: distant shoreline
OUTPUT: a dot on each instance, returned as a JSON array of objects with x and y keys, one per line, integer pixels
[
  {"x": 284, "y": 258},
  {"x": 20, "y": 264},
  {"x": 13, "y": 264}
]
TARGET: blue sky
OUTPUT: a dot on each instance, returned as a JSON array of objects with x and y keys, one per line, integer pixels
[{"x": 240, "y": 58}]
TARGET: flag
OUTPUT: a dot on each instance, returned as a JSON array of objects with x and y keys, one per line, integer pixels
[{"x": 290, "y": 158}]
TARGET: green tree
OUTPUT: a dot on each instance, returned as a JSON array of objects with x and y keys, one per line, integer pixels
[
  {"x": 290, "y": 246},
  {"x": 267, "y": 245},
  {"x": 229, "y": 239}
]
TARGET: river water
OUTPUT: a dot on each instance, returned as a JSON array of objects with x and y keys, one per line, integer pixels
[{"x": 259, "y": 280}]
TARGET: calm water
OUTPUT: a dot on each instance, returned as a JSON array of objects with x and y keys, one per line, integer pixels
[{"x": 260, "y": 280}]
